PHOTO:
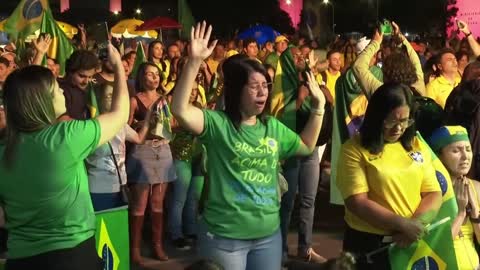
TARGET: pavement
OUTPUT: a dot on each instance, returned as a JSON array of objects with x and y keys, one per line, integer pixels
[{"x": 327, "y": 238}]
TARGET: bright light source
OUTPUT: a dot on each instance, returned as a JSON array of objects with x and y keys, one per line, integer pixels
[
  {"x": 115, "y": 12},
  {"x": 289, "y": 2},
  {"x": 138, "y": 11},
  {"x": 407, "y": 34},
  {"x": 326, "y": 1}
]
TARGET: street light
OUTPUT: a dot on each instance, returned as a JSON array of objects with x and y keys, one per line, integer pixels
[
  {"x": 138, "y": 11},
  {"x": 326, "y": 2}
]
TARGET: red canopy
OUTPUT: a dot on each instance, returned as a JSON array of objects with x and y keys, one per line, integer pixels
[{"x": 159, "y": 23}]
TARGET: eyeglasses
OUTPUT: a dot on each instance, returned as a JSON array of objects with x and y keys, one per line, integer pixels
[
  {"x": 253, "y": 88},
  {"x": 404, "y": 123}
]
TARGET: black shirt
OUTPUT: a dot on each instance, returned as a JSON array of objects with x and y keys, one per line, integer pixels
[{"x": 76, "y": 100}]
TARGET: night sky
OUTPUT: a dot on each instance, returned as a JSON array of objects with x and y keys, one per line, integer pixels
[{"x": 228, "y": 15}]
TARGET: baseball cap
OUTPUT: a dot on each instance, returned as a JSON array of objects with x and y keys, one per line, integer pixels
[
  {"x": 281, "y": 38},
  {"x": 361, "y": 44}
]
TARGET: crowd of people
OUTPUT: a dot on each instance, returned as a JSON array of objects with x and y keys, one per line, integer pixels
[{"x": 216, "y": 139}]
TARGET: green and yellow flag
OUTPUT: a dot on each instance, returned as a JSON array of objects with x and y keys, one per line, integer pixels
[
  {"x": 25, "y": 19},
  {"x": 185, "y": 17},
  {"x": 112, "y": 238},
  {"x": 61, "y": 48},
  {"x": 435, "y": 250},
  {"x": 285, "y": 90},
  {"x": 139, "y": 59}
]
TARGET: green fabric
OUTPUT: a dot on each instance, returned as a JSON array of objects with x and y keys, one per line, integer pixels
[
  {"x": 25, "y": 19},
  {"x": 186, "y": 18},
  {"x": 242, "y": 165},
  {"x": 61, "y": 48},
  {"x": 92, "y": 103},
  {"x": 139, "y": 59},
  {"x": 347, "y": 90},
  {"x": 272, "y": 59},
  {"x": 45, "y": 194},
  {"x": 112, "y": 238},
  {"x": 434, "y": 251}
]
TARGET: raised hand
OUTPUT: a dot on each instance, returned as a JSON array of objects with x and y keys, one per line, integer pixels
[
  {"x": 42, "y": 43},
  {"x": 463, "y": 26},
  {"x": 200, "y": 35},
  {"x": 114, "y": 56},
  {"x": 396, "y": 28},
  {"x": 378, "y": 36},
  {"x": 315, "y": 91}
]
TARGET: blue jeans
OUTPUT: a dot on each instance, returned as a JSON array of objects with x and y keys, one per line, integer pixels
[
  {"x": 233, "y": 254},
  {"x": 184, "y": 203},
  {"x": 304, "y": 175},
  {"x": 103, "y": 201}
]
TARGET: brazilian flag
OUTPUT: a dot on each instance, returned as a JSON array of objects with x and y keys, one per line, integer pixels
[
  {"x": 348, "y": 112},
  {"x": 435, "y": 250},
  {"x": 139, "y": 59},
  {"x": 112, "y": 238},
  {"x": 60, "y": 48},
  {"x": 26, "y": 18},
  {"x": 285, "y": 90}
]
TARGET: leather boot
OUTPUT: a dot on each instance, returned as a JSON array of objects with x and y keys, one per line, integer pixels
[
  {"x": 135, "y": 226},
  {"x": 157, "y": 236}
]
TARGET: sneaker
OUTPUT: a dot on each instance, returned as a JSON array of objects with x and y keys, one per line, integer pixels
[
  {"x": 311, "y": 256},
  {"x": 181, "y": 244},
  {"x": 191, "y": 239}
]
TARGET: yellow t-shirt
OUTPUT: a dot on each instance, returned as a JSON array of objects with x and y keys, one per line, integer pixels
[
  {"x": 212, "y": 65},
  {"x": 467, "y": 257},
  {"x": 440, "y": 88},
  {"x": 331, "y": 81},
  {"x": 394, "y": 178}
]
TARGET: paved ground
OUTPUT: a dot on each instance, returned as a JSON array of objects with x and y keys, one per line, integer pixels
[{"x": 328, "y": 229}]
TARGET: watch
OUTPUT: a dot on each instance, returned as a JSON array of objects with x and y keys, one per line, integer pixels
[{"x": 469, "y": 34}]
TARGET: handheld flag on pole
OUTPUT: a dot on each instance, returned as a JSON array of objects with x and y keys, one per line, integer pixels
[
  {"x": 185, "y": 17},
  {"x": 139, "y": 59},
  {"x": 25, "y": 19}
]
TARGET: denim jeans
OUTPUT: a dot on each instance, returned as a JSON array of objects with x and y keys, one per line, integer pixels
[
  {"x": 184, "y": 203},
  {"x": 233, "y": 254},
  {"x": 104, "y": 201},
  {"x": 304, "y": 176}
]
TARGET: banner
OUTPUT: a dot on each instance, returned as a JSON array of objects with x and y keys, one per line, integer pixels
[
  {"x": 112, "y": 238},
  {"x": 469, "y": 12}
]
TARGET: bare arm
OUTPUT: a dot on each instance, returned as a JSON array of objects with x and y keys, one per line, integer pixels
[
  {"x": 41, "y": 46},
  {"x": 113, "y": 121},
  {"x": 187, "y": 115},
  {"x": 310, "y": 132},
  {"x": 133, "y": 107},
  {"x": 428, "y": 208},
  {"x": 463, "y": 26}
]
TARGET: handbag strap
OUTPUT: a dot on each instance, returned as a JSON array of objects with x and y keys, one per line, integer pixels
[{"x": 116, "y": 163}]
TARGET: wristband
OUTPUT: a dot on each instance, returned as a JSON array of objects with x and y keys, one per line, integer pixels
[
  {"x": 319, "y": 112},
  {"x": 469, "y": 34},
  {"x": 475, "y": 220}
]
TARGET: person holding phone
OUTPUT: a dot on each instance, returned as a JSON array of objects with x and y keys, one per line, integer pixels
[{"x": 474, "y": 45}]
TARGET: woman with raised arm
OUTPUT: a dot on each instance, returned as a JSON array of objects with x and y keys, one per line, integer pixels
[
  {"x": 240, "y": 226},
  {"x": 44, "y": 184}
]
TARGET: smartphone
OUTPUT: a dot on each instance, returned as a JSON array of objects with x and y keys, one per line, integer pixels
[
  {"x": 386, "y": 27},
  {"x": 459, "y": 24},
  {"x": 102, "y": 37}
]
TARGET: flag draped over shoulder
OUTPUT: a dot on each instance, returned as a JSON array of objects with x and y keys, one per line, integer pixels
[
  {"x": 92, "y": 103},
  {"x": 436, "y": 249},
  {"x": 285, "y": 90},
  {"x": 139, "y": 59},
  {"x": 350, "y": 107},
  {"x": 185, "y": 17},
  {"x": 25, "y": 19},
  {"x": 60, "y": 48}
]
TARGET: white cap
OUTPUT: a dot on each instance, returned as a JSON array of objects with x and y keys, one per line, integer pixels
[{"x": 361, "y": 44}]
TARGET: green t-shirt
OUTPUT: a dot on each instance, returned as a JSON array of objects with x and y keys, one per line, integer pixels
[
  {"x": 45, "y": 193},
  {"x": 242, "y": 166},
  {"x": 272, "y": 59}
]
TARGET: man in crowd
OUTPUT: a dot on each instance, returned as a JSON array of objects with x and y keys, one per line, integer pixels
[
  {"x": 250, "y": 48},
  {"x": 80, "y": 69},
  {"x": 440, "y": 88},
  {"x": 281, "y": 44}
]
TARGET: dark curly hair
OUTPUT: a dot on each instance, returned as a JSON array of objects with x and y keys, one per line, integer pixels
[{"x": 397, "y": 68}]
